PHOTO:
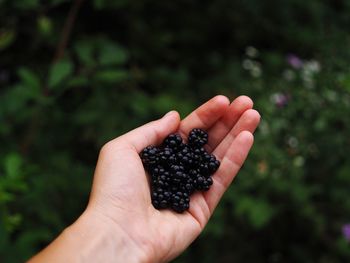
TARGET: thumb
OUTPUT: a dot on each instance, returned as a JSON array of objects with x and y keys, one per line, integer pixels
[{"x": 153, "y": 132}]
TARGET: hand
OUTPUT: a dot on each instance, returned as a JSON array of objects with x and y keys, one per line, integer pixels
[{"x": 120, "y": 204}]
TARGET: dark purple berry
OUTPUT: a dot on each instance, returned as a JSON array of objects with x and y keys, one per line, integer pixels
[
  {"x": 178, "y": 169},
  {"x": 197, "y": 138},
  {"x": 173, "y": 141}
]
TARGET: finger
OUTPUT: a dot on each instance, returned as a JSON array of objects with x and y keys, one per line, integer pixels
[
  {"x": 199, "y": 208},
  {"x": 205, "y": 116},
  {"x": 152, "y": 133},
  {"x": 247, "y": 122},
  {"x": 223, "y": 126},
  {"x": 230, "y": 165}
]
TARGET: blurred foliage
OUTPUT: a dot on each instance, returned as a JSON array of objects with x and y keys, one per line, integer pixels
[{"x": 128, "y": 62}]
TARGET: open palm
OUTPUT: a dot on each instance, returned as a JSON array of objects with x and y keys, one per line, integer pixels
[{"x": 121, "y": 190}]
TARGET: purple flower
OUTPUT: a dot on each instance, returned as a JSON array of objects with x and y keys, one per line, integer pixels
[
  {"x": 346, "y": 232},
  {"x": 280, "y": 99},
  {"x": 294, "y": 61}
]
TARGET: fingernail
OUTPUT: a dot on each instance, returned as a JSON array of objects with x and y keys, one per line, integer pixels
[{"x": 168, "y": 114}]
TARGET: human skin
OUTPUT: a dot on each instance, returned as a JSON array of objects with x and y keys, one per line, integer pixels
[{"x": 120, "y": 224}]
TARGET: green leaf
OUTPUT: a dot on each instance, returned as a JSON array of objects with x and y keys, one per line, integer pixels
[
  {"x": 44, "y": 25},
  {"x": 12, "y": 222},
  {"x": 163, "y": 102},
  {"x": 139, "y": 103},
  {"x": 29, "y": 78},
  {"x": 258, "y": 212},
  {"x": 85, "y": 51},
  {"x": 59, "y": 72},
  {"x": 99, "y": 4},
  {"x": 104, "y": 4},
  {"x": 5, "y": 197},
  {"x": 110, "y": 75},
  {"x": 78, "y": 81},
  {"x": 12, "y": 165},
  {"x": 7, "y": 37},
  {"x": 27, "y": 4},
  {"x": 345, "y": 81},
  {"x": 111, "y": 54}
]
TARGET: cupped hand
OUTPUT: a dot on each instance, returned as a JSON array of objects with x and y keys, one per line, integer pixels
[{"x": 121, "y": 190}]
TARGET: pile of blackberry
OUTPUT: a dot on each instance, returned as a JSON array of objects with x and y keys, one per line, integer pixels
[{"x": 178, "y": 169}]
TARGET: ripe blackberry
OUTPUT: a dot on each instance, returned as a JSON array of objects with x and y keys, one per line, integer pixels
[
  {"x": 197, "y": 138},
  {"x": 165, "y": 155},
  {"x": 199, "y": 182},
  {"x": 180, "y": 202},
  {"x": 157, "y": 170},
  {"x": 204, "y": 169},
  {"x": 185, "y": 157},
  {"x": 189, "y": 188},
  {"x": 213, "y": 165},
  {"x": 174, "y": 141},
  {"x": 178, "y": 169},
  {"x": 149, "y": 156},
  {"x": 209, "y": 181}
]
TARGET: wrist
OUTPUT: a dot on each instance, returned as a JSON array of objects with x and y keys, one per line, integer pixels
[{"x": 100, "y": 239}]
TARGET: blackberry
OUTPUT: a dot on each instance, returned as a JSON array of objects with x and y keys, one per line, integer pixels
[
  {"x": 206, "y": 157},
  {"x": 189, "y": 188},
  {"x": 173, "y": 141},
  {"x": 157, "y": 170},
  {"x": 185, "y": 157},
  {"x": 199, "y": 183},
  {"x": 209, "y": 181},
  {"x": 204, "y": 169},
  {"x": 149, "y": 156},
  {"x": 178, "y": 169},
  {"x": 165, "y": 155},
  {"x": 213, "y": 165},
  {"x": 180, "y": 202},
  {"x": 197, "y": 138}
]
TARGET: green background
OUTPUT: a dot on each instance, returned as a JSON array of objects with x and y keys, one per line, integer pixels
[{"x": 75, "y": 74}]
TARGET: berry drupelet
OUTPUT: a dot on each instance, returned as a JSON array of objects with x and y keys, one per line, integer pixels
[{"x": 178, "y": 169}]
